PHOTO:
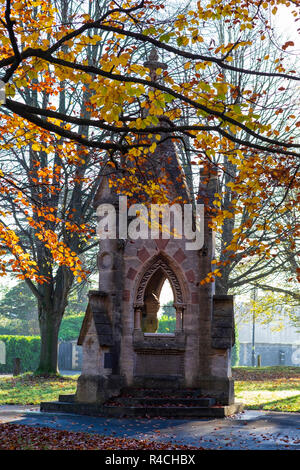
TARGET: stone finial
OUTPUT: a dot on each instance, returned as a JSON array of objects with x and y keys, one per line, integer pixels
[
  {"x": 153, "y": 64},
  {"x": 153, "y": 56}
]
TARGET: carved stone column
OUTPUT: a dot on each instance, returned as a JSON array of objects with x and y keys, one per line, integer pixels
[
  {"x": 150, "y": 320},
  {"x": 137, "y": 318},
  {"x": 179, "y": 318}
]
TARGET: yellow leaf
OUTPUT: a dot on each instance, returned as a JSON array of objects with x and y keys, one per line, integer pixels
[
  {"x": 221, "y": 88},
  {"x": 153, "y": 147},
  {"x": 36, "y": 147}
]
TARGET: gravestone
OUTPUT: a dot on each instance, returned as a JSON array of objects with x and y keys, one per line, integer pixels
[{"x": 2, "y": 353}]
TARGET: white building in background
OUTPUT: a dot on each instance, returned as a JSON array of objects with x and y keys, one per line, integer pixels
[{"x": 275, "y": 347}]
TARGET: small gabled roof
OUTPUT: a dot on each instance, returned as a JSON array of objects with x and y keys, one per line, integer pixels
[{"x": 97, "y": 312}]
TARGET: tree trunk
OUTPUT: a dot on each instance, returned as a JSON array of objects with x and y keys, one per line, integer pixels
[
  {"x": 221, "y": 285},
  {"x": 49, "y": 327}
]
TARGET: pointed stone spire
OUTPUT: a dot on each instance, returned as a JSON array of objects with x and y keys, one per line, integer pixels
[
  {"x": 105, "y": 194},
  {"x": 165, "y": 158}
]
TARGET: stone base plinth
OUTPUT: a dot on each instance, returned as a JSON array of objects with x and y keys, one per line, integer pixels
[
  {"x": 141, "y": 412},
  {"x": 220, "y": 388},
  {"x": 140, "y": 402},
  {"x": 97, "y": 388}
]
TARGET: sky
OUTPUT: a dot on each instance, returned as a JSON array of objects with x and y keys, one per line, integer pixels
[{"x": 285, "y": 22}]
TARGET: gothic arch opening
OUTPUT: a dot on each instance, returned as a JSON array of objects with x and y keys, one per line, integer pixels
[
  {"x": 153, "y": 303},
  {"x": 167, "y": 312},
  {"x": 150, "y": 304}
]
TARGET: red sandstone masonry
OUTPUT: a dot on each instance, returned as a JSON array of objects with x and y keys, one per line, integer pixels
[
  {"x": 126, "y": 295},
  {"x": 143, "y": 254},
  {"x": 190, "y": 275},
  {"x": 161, "y": 244},
  {"x": 179, "y": 256},
  {"x": 131, "y": 273}
]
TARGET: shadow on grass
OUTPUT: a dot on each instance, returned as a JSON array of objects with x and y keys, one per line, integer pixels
[{"x": 290, "y": 405}]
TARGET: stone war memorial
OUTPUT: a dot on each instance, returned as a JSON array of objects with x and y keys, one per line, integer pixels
[{"x": 128, "y": 368}]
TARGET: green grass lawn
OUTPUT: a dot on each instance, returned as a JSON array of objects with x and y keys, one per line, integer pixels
[
  {"x": 266, "y": 388},
  {"x": 28, "y": 389}
]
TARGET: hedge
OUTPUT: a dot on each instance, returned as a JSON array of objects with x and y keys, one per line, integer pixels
[{"x": 27, "y": 348}]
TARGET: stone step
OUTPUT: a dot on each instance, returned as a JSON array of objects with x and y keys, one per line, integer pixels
[
  {"x": 174, "y": 412},
  {"x": 142, "y": 412},
  {"x": 162, "y": 393},
  {"x": 179, "y": 401},
  {"x": 67, "y": 398}
]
